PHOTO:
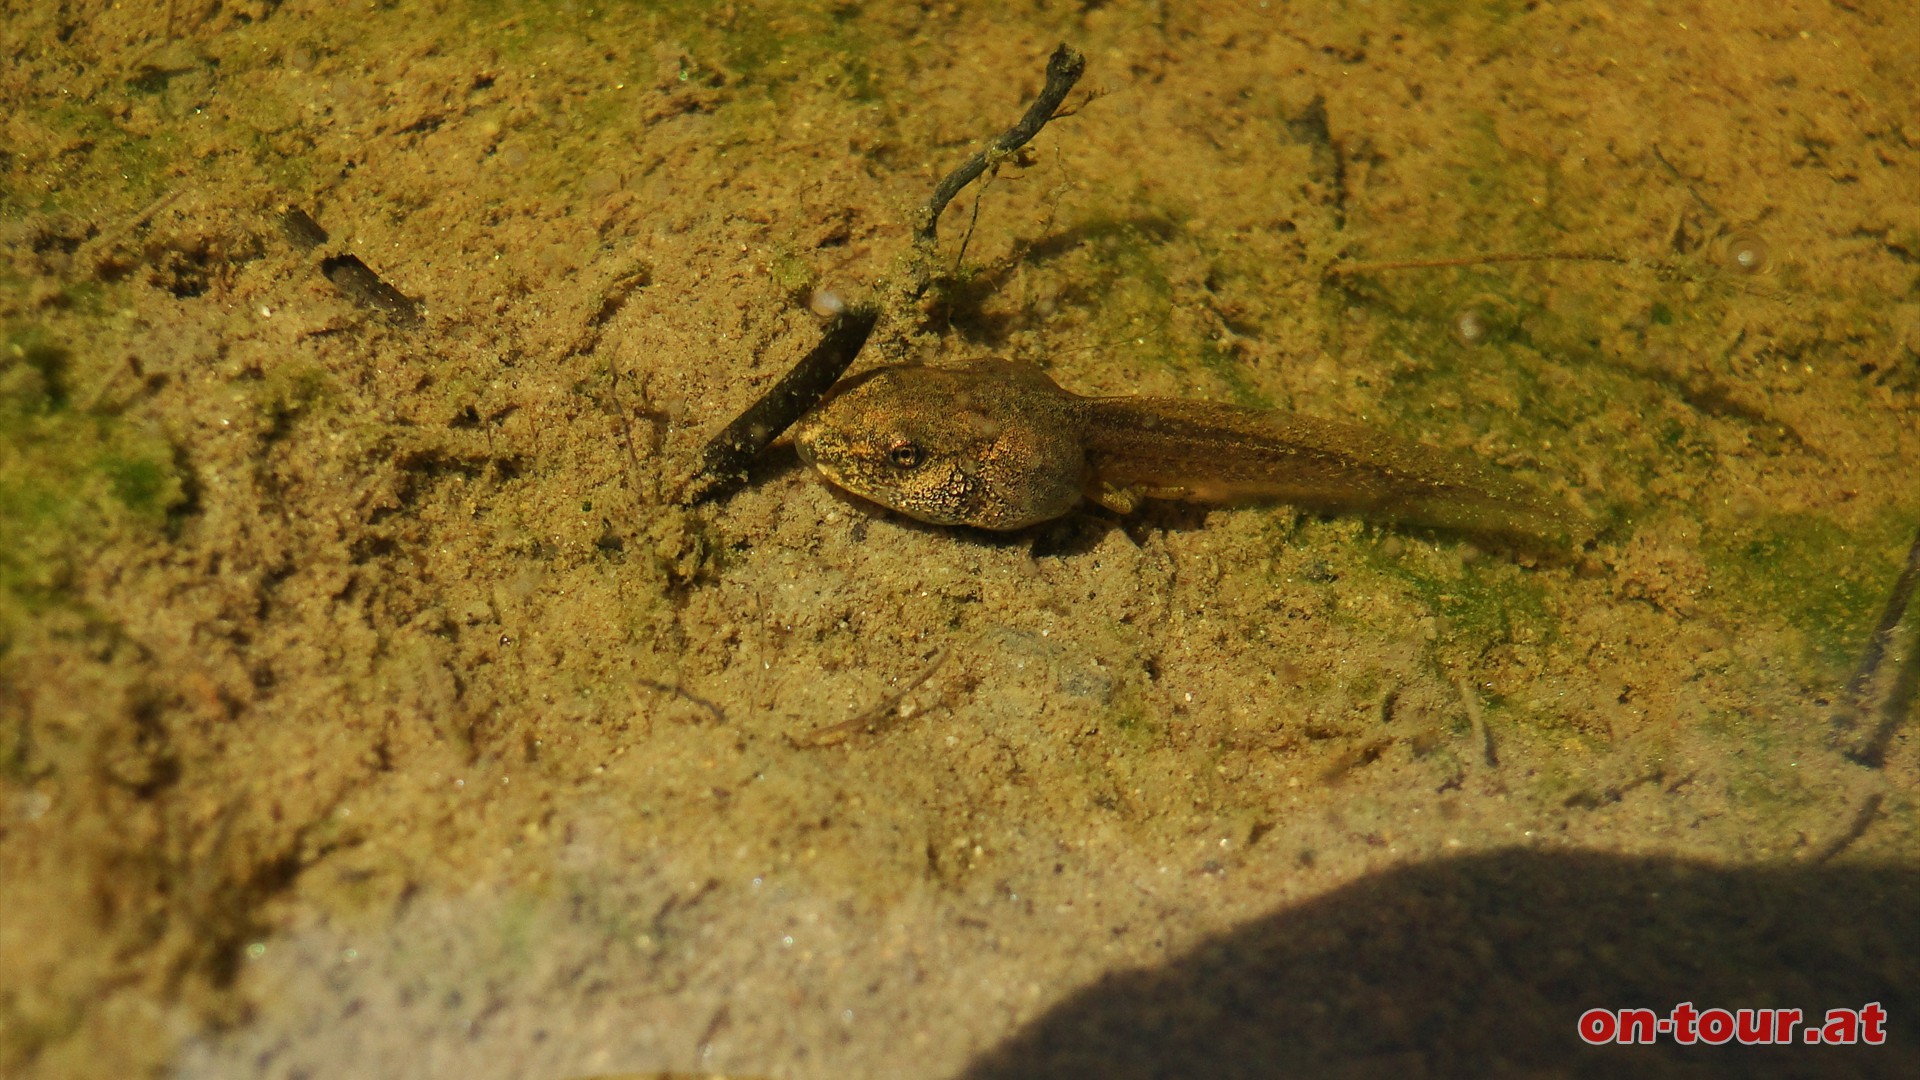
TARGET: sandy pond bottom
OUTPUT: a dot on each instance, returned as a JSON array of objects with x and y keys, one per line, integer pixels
[{"x": 369, "y": 707}]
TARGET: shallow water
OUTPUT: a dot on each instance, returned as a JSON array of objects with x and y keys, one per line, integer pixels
[{"x": 369, "y": 706}]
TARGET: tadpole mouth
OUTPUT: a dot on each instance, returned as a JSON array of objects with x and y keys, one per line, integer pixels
[{"x": 804, "y": 434}]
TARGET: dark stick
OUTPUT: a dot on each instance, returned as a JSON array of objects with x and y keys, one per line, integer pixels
[
  {"x": 1890, "y": 617},
  {"x": 1064, "y": 68},
  {"x": 1346, "y": 269},
  {"x": 1872, "y": 752},
  {"x": 1862, "y": 821},
  {"x": 354, "y": 278},
  {"x": 719, "y": 715},
  {"x": 1894, "y": 708},
  {"x": 724, "y": 460}
]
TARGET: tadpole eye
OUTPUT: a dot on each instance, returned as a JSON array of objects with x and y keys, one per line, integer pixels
[{"x": 906, "y": 454}]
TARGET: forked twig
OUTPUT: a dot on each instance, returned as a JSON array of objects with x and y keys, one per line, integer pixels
[
  {"x": 724, "y": 460},
  {"x": 873, "y": 720}
]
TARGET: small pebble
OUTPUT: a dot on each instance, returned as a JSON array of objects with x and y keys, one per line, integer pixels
[
  {"x": 826, "y": 303},
  {"x": 601, "y": 183}
]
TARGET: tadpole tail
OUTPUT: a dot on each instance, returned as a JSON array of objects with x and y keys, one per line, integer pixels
[{"x": 1213, "y": 452}]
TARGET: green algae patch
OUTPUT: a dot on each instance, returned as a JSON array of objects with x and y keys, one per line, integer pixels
[
  {"x": 1113, "y": 270},
  {"x": 780, "y": 44},
  {"x": 1827, "y": 581},
  {"x": 1450, "y": 15},
  {"x": 1462, "y": 339},
  {"x": 1480, "y": 603},
  {"x": 87, "y": 152},
  {"x": 803, "y": 46},
  {"x": 67, "y": 475},
  {"x": 1132, "y": 722},
  {"x": 1232, "y": 375},
  {"x": 1126, "y": 278}
]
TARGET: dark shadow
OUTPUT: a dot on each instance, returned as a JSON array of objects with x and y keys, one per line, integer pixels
[
  {"x": 1482, "y": 966},
  {"x": 1083, "y": 528},
  {"x": 778, "y": 462},
  {"x": 1076, "y": 533},
  {"x": 961, "y": 302}
]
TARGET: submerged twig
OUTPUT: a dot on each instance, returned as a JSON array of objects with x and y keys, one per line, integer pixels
[
  {"x": 1873, "y": 751},
  {"x": 94, "y": 250},
  {"x": 719, "y": 715},
  {"x": 1349, "y": 269},
  {"x": 1476, "y": 716},
  {"x": 1662, "y": 269},
  {"x": 1890, "y": 616},
  {"x": 354, "y": 278},
  {"x": 724, "y": 460},
  {"x": 1863, "y": 820},
  {"x": 1064, "y": 69},
  {"x": 874, "y": 719}
]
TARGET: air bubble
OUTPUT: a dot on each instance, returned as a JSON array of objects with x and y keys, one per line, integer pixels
[
  {"x": 1746, "y": 253},
  {"x": 1470, "y": 326}
]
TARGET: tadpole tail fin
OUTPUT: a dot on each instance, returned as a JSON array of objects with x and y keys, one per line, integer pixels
[{"x": 1213, "y": 452}]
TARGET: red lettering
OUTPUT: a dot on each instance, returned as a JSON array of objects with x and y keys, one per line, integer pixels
[
  {"x": 1753, "y": 1026},
  {"x": 1873, "y": 1021},
  {"x": 1637, "y": 1026},
  {"x": 1842, "y": 1027},
  {"x": 1598, "y": 1026},
  {"x": 1716, "y": 1026},
  {"x": 1683, "y": 1018}
]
